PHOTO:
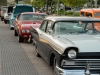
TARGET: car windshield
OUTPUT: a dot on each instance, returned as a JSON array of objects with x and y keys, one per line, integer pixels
[
  {"x": 33, "y": 16},
  {"x": 76, "y": 27},
  {"x": 20, "y": 9}
]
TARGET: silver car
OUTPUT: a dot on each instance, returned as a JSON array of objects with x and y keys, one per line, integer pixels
[{"x": 69, "y": 44}]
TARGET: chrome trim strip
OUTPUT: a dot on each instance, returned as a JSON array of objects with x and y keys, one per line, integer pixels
[
  {"x": 73, "y": 66},
  {"x": 85, "y": 59}
]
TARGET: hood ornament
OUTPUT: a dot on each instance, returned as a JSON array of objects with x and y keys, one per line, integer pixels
[{"x": 87, "y": 72}]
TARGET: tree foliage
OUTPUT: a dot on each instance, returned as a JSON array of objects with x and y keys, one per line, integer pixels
[
  {"x": 27, "y": 2},
  {"x": 39, "y": 3},
  {"x": 74, "y": 3}
]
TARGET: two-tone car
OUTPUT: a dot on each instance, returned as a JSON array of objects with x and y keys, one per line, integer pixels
[
  {"x": 3, "y": 11},
  {"x": 69, "y": 44},
  {"x": 7, "y": 14},
  {"x": 24, "y": 21}
]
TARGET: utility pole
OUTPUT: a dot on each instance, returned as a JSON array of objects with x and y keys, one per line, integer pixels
[
  {"x": 95, "y": 3},
  {"x": 57, "y": 7},
  {"x": 47, "y": 6},
  {"x": 91, "y": 4}
]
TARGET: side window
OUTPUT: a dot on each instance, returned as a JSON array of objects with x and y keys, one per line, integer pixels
[
  {"x": 89, "y": 26},
  {"x": 43, "y": 26},
  {"x": 89, "y": 14},
  {"x": 82, "y": 13},
  {"x": 48, "y": 26}
]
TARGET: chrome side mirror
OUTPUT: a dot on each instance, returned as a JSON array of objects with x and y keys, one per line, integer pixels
[{"x": 50, "y": 32}]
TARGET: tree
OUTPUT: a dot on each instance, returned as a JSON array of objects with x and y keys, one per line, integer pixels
[
  {"x": 3, "y": 2},
  {"x": 27, "y": 2},
  {"x": 74, "y": 3},
  {"x": 16, "y": 1}
]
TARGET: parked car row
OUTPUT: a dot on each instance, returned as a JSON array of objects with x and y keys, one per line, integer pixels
[{"x": 69, "y": 44}]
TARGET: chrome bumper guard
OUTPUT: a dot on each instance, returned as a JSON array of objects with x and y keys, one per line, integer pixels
[{"x": 88, "y": 65}]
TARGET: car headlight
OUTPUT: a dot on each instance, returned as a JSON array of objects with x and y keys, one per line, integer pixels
[
  {"x": 72, "y": 54},
  {"x": 28, "y": 31},
  {"x": 23, "y": 31}
]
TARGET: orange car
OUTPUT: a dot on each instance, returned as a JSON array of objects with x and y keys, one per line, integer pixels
[
  {"x": 24, "y": 21},
  {"x": 91, "y": 12}
]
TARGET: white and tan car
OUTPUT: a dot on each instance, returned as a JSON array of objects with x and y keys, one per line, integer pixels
[
  {"x": 70, "y": 44},
  {"x": 7, "y": 14},
  {"x": 3, "y": 11}
]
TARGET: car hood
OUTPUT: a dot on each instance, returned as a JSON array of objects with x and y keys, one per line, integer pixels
[
  {"x": 85, "y": 43},
  {"x": 31, "y": 22},
  {"x": 26, "y": 25}
]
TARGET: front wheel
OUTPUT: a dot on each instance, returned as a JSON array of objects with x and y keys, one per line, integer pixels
[
  {"x": 15, "y": 33},
  {"x": 1, "y": 19},
  {"x": 5, "y": 21},
  {"x": 20, "y": 39}
]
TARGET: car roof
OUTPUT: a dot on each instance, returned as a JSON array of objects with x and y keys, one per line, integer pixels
[
  {"x": 33, "y": 13},
  {"x": 91, "y": 10},
  {"x": 67, "y": 18}
]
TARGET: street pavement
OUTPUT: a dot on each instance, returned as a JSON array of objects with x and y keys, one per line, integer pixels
[{"x": 19, "y": 58}]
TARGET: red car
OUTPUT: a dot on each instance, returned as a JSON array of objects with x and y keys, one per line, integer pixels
[{"x": 24, "y": 21}]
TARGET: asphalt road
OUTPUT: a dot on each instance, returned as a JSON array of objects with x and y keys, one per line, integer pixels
[{"x": 19, "y": 58}]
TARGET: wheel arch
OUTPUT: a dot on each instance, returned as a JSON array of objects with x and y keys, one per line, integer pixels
[{"x": 52, "y": 59}]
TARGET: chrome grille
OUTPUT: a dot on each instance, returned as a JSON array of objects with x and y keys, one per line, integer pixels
[{"x": 93, "y": 63}]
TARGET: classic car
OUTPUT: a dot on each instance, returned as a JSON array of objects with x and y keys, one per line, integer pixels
[
  {"x": 17, "y": 9},
  {"x": 24, "y": 21},
  {"x": 7, "y": 14},
  {"x": 95, "y": 12},
  {"x": 3, "y": 10},
  {"x": 69, "y": 44}
]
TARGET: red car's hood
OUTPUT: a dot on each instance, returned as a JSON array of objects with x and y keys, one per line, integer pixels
[
  {"x": 30, "y": 22},
  {"x": 27, "y": 24}
]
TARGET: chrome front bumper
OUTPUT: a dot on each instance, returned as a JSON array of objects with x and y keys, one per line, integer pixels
[
  {"x": 88, "y": 67},
  {"x": 72, "y": 72}
]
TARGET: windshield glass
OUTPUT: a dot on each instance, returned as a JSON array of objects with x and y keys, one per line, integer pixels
[
  {"x": 20, "y": 9},
  {"x": 76, "y": 27},
  {"x": 33, "y": 16}
]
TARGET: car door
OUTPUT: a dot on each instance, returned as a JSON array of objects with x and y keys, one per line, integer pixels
[
  {"x": 39, "y": 38},
  {"x": 45, "y": 39}
]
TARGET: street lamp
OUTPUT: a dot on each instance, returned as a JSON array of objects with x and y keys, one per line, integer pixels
[{"x": 48, "y": 3}]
